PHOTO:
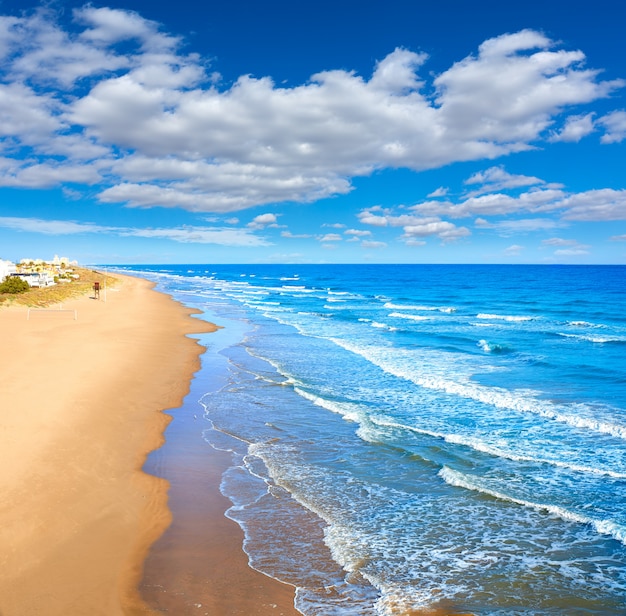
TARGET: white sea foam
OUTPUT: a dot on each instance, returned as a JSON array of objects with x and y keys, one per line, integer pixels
[
  {"x": 504, "y": 317},
  {"x": 261, "y": 302},
  {"x": 410, "y": 317},
  {"x": 400, "y": 364},
  {"x": 489, "y": 347},
  {"x": 594, "y": 339},
  {"x": 349, "y": 411},
  {"x": 294, "y": 290},
  {"x": 393, "y": 306},
  {"x": 463, "y": 480},
  {"x": 384, "y": 326},
  {"x": 478, "y": 444}
]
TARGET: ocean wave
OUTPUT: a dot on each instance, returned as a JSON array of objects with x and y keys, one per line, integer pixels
[
  {"x": 584, "y": 324},
  {"x": 393, "y": 306},
  {"x": 410, "y": 317},
  {"x": 260, "y": 302},
  {"x": 490, "y": 347},
  {"x": 463, "y": 480},
  {"x": 595, "y": 339},
  {"x": 384, "y": 326},
  {"x": 505, "y": 317},
  {"x": 347, "y": 410},
  {"x": 482, "y": 446},
  {"x": 576, "y": 415}
]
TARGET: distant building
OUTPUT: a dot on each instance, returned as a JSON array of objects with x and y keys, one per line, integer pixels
[
  {"x": 6, "y": 269},
  {"x": 36, "y": 279},
  {"x": 61, "y": 262}
]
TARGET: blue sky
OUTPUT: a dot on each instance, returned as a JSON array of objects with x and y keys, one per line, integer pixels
[{"x": 400, "y": 131}]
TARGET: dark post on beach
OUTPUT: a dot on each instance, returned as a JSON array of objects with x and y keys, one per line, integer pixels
[{"x": 96, "y": 290}]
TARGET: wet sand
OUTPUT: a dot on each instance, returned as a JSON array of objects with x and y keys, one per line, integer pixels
[
  {"x": 80, "y": 403},
  {"x": 199, "y": 566}
]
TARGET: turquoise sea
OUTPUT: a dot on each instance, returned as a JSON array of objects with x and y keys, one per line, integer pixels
[{"x": 414, "y": 436}]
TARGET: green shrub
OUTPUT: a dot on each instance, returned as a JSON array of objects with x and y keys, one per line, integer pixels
[{"x": 13, "y": 284}]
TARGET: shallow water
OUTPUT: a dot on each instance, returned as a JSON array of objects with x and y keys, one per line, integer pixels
[{"x": 415, "y": 436}]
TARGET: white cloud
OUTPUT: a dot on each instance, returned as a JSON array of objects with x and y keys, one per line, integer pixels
[
  {"x": 370, "y": 244},
  {"x": 330, "y": 237},
  {"x": 442, "y": 229},
  {"x": 188, "y": 234},
  {"x": 289, "y": 234},
  {"x": 50, "y": 227},
  {"x": 412, "y": 225},
  {"x": 172, "y": 138},
  {"x": 111, "y": 26},
  {"x": 514, "y": 87},
  {"x": 598, "y": 205},
  {"x": 576, "y": 127},
  {"x": 592, "y": 205},
  {"x": 27, "y": 117},
  {"x": 567, "y": 247},
  {"x": 571, "y": 252},
  {"x": 201, "y": 235},
  {"x": 368, "y": 218},
  {"x": 30, "y": 174},
  {"x": 513, "y": 250},
  {"x": 558, "y": 241},
  {"x": 615, "y": 125},
  {"x": 357, "y": 232},
  {"x": 440, "y": 192},
  {"x": 618, "y": 238},
  {"x": 496, "y": 178},
  {"x": 263, "y": 220},
  {"x": 526, "y": 225},
  {"x": 41, "y": 52}
]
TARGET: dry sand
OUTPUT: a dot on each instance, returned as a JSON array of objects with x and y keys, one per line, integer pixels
[{"x": 79, "y": 411}]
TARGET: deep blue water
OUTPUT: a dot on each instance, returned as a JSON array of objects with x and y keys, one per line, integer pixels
[{"x": 410, "y": 436}]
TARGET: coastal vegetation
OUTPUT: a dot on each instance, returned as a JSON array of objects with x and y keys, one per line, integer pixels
[
  {"x": 13, "y": 285},
  {"x": 80, "y": 283}
]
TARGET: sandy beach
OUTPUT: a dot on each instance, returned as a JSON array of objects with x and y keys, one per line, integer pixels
[{"x": 80, "y": 409}]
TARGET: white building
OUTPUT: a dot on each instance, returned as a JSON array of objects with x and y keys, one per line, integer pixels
[
  {"x": 6, "y": 269},
  {"x": 36, "y": 279}
]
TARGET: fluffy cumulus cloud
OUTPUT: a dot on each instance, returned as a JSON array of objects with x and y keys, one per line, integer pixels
[
  {"x": 496, "y": 178},
  {"x": 575, "y": 128},
  {"x": 505, "y": 203},
  {"x": 496, "y": 198},
  {"x": 413, "y": 226},
  {"x": 615, "y": 124},
  {"x": 113, "y": 102},
  {"x": 263, "y": 220}
]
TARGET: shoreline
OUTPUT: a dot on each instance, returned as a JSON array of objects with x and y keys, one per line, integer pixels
[
  {"x": 81, "y": 404},
  {"x": 198, "y": 566}
]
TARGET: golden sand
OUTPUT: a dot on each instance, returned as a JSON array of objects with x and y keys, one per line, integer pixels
[{"x": 80, "y": 402}]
